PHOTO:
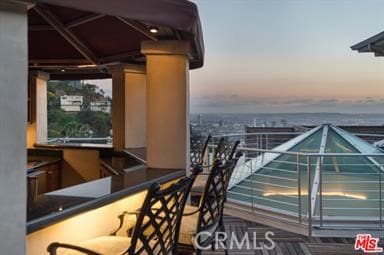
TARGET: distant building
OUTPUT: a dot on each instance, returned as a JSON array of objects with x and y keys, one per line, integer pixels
[
  {"x": 76, "y": 84},
  {"x": 283, "y": 123},
  {"x": 199, "y": 120},
  {"x": 101, "y": 106},
  {"x": 71, "y": 103}
]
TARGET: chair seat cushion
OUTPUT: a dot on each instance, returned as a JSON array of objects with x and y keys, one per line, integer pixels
[
  {"x": 199, "y": 184},
  {"x": 188, "y": 226},
  {"x": 106, "y": 245}
]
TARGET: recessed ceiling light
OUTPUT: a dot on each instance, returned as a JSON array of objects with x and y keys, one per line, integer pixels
[
  {"x": 153, "y": 30},
  {"x": 62, "y": 70}
]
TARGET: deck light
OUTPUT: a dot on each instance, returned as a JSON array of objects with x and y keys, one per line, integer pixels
[{"x": 153, "y": 30}]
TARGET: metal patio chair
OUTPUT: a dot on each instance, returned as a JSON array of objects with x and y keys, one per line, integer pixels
[
  {"x": 199, "y": 146},
  {"x": 208, "y": 216},
  {"x": 224, "y": 151},
  {"x": 156, "y": 231}
]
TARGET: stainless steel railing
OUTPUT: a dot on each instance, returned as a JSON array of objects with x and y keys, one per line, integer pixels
[
  {"x": 318, "y": 190},
  {"x": 78, "y": 140}
]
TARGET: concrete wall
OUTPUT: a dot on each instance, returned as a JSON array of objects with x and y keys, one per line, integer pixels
[{"x": 13, "y": 123}]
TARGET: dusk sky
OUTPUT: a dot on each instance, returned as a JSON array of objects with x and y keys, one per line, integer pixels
[
  {"x": 288, "y": 56},
  {"x": 264, "y": 56}
]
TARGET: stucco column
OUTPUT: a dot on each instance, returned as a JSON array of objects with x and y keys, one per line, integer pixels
[
  {"x": 128, "y": 106},
  {"x": 135, "y": 106},
  {"x": 38, "y": 129},
  {"x": 167, "y": 103},
  {"x": 118, "y": 107},
  {"x": 13, "y": 123}
]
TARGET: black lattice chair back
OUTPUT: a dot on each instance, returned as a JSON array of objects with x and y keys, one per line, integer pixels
[
  {"x": 199, "y": 145},
  {"x": 157, "y": 227},
  {"x": 225, "y": 150},
  {"x": 214, "y": 196}
]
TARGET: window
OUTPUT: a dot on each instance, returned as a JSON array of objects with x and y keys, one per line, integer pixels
[{"x": 79, "y": 112}]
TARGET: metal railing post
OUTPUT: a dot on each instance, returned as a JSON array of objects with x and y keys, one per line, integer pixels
[
  {"x": 253, "y": 186},
  {"x": 299, "y": 184},
  {"x": 380, "y": 201},
  {"x": 309, "y": 197},
  {"x": 321, "y": 192}
]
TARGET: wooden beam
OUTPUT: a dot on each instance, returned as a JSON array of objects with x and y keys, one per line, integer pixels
[
  {"x": 138, "y": 26},
  {"x": 119, "y": 57},
  {"x": 73, "y": 23},
  {"x": 52, "y": 20},
  {"x": 40, "y": 28},
  {"x": 83, "y": 20},
  {"x": 63, "y": 61}
]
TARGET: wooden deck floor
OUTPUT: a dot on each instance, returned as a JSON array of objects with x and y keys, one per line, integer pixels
[{"x": 286, "y": 243}]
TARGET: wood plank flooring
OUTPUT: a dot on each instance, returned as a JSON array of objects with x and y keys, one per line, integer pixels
[{"x": 286, "y": 243}]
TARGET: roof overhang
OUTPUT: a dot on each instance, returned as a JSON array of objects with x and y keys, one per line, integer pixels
[
  {"x": 374, "y": 44},
  {"x": 80, "y": 38}
]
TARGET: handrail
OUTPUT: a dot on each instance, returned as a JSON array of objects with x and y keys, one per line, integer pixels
[
  {"x": 287, "y": 133},
  {"x": 312, "y": 154},
  {"x": 258, "y": 133}
]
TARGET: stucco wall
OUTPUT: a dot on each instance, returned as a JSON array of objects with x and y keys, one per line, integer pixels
[{"x": 13, "y": 123}]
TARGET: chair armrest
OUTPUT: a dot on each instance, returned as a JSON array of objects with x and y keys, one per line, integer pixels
[
  {"x": 121, "y": 219},
  {"x": 54, "y": 246},
  {"x": 192, "y": 213}
]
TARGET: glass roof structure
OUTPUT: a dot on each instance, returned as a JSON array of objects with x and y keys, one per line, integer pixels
[{"x": 339, "y": 171}]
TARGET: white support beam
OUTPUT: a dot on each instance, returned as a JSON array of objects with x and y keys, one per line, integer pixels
[{"x": 316, "y": 178}]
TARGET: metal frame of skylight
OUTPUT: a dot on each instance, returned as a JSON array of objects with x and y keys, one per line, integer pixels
[{"x": 346, "y": 138}]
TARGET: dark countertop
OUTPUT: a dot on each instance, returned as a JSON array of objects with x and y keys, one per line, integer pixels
[
  {"x": 56, "y": 206},
  {"x": 35, "y": 162},
  {"x": 80, "y": 146},
  {"x": 39, "y": 157},
  {"x": 138, "y": 153}
]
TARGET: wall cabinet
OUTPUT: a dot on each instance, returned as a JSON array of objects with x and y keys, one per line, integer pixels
[{"x": 45, "y": 179}]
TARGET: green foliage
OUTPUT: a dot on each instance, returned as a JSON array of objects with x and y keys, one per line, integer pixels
[{"x": 85, "y": 123}]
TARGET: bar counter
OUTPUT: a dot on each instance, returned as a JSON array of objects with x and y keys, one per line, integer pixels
[{"x": 59, "y": 205}]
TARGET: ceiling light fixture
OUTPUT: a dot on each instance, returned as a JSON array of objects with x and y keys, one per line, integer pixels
[{"x": 153, "y": 30}]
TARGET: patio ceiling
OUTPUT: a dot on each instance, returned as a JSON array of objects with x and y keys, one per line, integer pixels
[
  {"x": 374, "y": 44},
  {"x": 74, "y": 39}
]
